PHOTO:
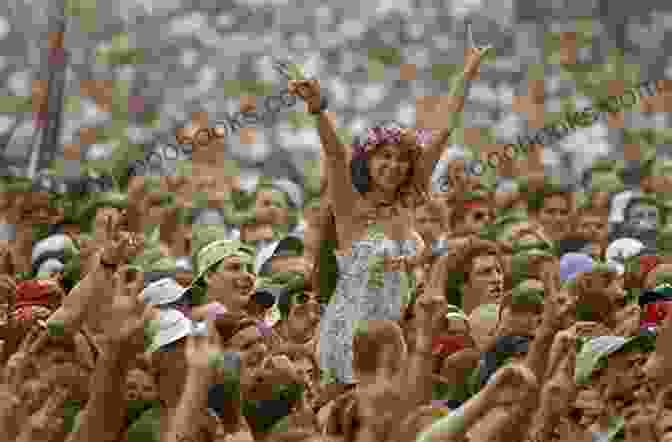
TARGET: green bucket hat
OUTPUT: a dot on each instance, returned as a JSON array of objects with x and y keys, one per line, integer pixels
[
  {"x": 596, "y": 350},
  {"x": 521, "y": 260},
  {"x": 215, "y": 252},
  {"x": 204, "y": 234},
  {"x": 526, "y": 296}
]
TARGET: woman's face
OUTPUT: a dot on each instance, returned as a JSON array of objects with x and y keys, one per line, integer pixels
[{"x": 388, "y": 167}]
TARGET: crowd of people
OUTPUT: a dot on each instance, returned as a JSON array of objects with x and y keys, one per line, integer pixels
[{"x": 379, "y": 308}]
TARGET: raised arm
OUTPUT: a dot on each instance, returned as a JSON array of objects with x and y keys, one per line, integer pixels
[
  {"x": 457, "y": 96},
  {"x": 335, "y": 153},
  {"x": 454, "y": 426}
]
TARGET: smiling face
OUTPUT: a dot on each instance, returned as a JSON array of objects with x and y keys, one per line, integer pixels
[
  {"x": 231, "y": 284},
  {"x": 486, "y": 279},
  {"x": 389, "y": 166}
]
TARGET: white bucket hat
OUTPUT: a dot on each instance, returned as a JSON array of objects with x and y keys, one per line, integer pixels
[
  {"x": 173, "y": 326},
  {"x": 162, "y": 292},
  {"x": 621, "y": 250}
]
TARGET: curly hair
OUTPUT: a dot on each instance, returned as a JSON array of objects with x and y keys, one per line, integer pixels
[{"x": 410, "y": 192}]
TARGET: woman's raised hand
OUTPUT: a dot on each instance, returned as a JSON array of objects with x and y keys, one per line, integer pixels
[{"x": 308, "y": 90}]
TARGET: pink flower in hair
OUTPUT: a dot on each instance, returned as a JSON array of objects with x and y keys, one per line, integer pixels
[{"x": 424, "y": 136}]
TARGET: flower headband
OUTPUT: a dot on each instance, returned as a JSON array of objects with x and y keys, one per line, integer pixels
[{"x": 377, "y": 136}]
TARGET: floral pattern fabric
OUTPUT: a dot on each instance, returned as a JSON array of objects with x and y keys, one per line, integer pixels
[{"x": 357, "y": 299}]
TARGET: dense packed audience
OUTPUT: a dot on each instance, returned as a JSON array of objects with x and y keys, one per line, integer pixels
[{"x": 376, "y": 308}]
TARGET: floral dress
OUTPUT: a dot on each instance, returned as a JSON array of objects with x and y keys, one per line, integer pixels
[{"x": 363, "y": 292}]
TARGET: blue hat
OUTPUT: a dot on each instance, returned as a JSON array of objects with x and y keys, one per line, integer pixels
[{"x": 572, "y": 264}]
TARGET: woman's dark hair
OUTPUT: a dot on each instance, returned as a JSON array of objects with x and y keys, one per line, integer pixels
[{"x": 359, "y": 166}]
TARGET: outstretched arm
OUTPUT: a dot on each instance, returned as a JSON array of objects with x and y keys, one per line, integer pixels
[
  {"x": 457, "y": 96},
  {"x": 338, "y": 171}
]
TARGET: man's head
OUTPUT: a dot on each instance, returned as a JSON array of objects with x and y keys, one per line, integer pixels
[
  {"x": 300, "y": 311},
  {"x": 429, "y": 220},
  {"x": 592, "y": 224},
  {"x": 226, "y": 268},
  {"x": 378, "y": 347},
  {"x": 272, "y": 203},
  {"x": 600, "y": 293},
  {"x": 552, "y": 208},
  {"x": 484, "y": 275},
  {"x": 471, "y": 213},
  {"x": 521, "y": 309}
]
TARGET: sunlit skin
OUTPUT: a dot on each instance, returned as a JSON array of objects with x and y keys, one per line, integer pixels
[
  {"x": 522, "y": 321},
  {"x": 230, "y": 284},
  {"x": 140, "y": 386},
  {"x": 273, "y": 201},
  {"x": 622, "y": 377},
  {"x": 593, "y": 227},
  {"x": 485, "y": 282},
  {"x": 663, "y": 425},
  {"x": 100, "y": 221},
  {"x": 428, "y": 224},
  {"x": 476, "y": 218},
  {"x": 554, "y": 215},
  {"x": 524, "y": 232},
  {"x": 388, "y": 168},
  {"x": 252, "y": 348}
]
